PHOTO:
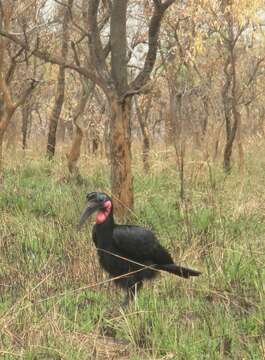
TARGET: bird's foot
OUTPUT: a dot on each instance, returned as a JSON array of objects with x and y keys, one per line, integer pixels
[{"x": 125, "y": 302}]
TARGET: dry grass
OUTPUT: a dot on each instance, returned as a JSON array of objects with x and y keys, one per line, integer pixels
[{"x": 57, "y": 304}]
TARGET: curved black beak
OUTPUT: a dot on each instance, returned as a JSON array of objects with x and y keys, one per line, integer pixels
[{"x": 89, "y": 210}]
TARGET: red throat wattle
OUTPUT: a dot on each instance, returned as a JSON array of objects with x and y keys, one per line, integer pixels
[{"x": 102, "y": 215}]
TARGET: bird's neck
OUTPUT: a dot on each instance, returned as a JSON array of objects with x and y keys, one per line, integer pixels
[
  {"x": 104, "y": 232},
  {"x": 105, "y": 214},
  {"x": 105, "y": 221}
]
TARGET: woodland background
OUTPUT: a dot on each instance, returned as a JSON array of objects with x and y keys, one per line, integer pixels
[{"x": 161, "y": 104}]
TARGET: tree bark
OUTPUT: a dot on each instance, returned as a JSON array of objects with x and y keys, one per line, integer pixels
[
  {"x": 145, "y": 132},
  {"x": 59, "y": 96},
  {"x": 227, "y": 115},
  {"x": 4, "y": 122},
  {"x": 75, "y": 151},
  {"x": 168, "y": 131},
  {"x": 240, "y": 146},
  {"x": 205, "y": 102},
  {"x": 176, "y": 116},
  {"x": 232, "y": 116},
  {"x": 11, "y": 135},
  {"x": 7, "y": 110},
  {"x": 120, "y": 152},
  {"x": 229, "y": 93},
  {"x": 25, "y": 123},
  {"x": 54, "y": 118},
  {"x": 1, "y": 153}
]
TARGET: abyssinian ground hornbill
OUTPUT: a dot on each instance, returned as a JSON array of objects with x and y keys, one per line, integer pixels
[{"x": 131, "y": 253}]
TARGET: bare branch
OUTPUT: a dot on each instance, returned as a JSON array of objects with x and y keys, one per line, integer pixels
[
  {"x": 150, "y": 59},
  {"x": 252, "y": 76},
  {"x": 95, "y": 45},
  {"x": 167, "y": 3},
  {"x": 69, "y": 7},
  {"x": 118, "y": 38},
  {"x": 52, "y": 58},
  {"x": 25, "y": 94},
  {"x": 13, "y": 65},
  {"x": 163, "y": 6},
  {"x": 77, "y": 61},
  {"x": 107, "y": 49}
]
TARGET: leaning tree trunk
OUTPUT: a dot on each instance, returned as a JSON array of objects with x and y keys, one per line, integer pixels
[{"x": 121, "y": 172}]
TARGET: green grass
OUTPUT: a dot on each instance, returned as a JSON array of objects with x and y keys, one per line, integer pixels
[{"x": 57, "y": 304}]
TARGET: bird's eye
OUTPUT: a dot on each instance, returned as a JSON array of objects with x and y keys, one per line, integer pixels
[{"x": 101, "y": 197}]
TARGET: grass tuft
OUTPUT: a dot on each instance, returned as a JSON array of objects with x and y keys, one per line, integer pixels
[{"x": 57, "y": 304}]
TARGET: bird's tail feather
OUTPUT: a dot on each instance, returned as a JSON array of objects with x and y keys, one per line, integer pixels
[{"x": 179, "y": 270}]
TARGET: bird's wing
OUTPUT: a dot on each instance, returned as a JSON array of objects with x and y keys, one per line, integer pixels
[{"x": 139, "y": 244}]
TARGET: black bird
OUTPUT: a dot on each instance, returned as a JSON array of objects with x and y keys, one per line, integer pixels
[{"x": 131, "y": 253}]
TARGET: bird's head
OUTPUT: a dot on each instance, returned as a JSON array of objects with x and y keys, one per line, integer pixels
[{"x": 96, "y": 201}]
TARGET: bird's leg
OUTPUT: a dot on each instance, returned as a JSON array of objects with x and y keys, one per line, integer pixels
[
  {"x": 129, "y": 296},
  {"x": 126, "y": 300},
  {"x": 131, "y": 293},
  {"x": 136, "y": 288}
]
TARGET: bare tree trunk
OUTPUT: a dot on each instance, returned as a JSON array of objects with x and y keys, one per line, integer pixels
[
  {"x": 4, "y": 122},
  {"x": 229, "y": 93},
  {"x": 1, "y": 153},
  {"x": 145, "y": 132},
  {"x": 205, "y": 101},
  {"x": 106, "y": 139},
  {"x": 25, "y": 123},
  {"x": 61, "y": 130},
  {"x": 121, "y": 172},
  {"x": 216, "y": 136},
  {"x": 168, "y": 130},
  {"x": 175, "y": 113},
  {"x": 7, "y": 104},
  {"x": 75, "y": 151},
  {"x": 6, "y": 114},
  {"x": 58, "y": 104},
  {"x": 227, "y": 156},
  {"x": 146, "y": 150},
  {"x": 180, "y": 155},
  {"x": 95, "y": 145},
  {"x": 11, "y": 135},
  {"x": 240, "y": 146},
  {"x": 232, "y": 118},
  {"x": 59, "y": 96}
]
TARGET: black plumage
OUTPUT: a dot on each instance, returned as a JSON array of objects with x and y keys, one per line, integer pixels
[{"x": 129, "y": 253}]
